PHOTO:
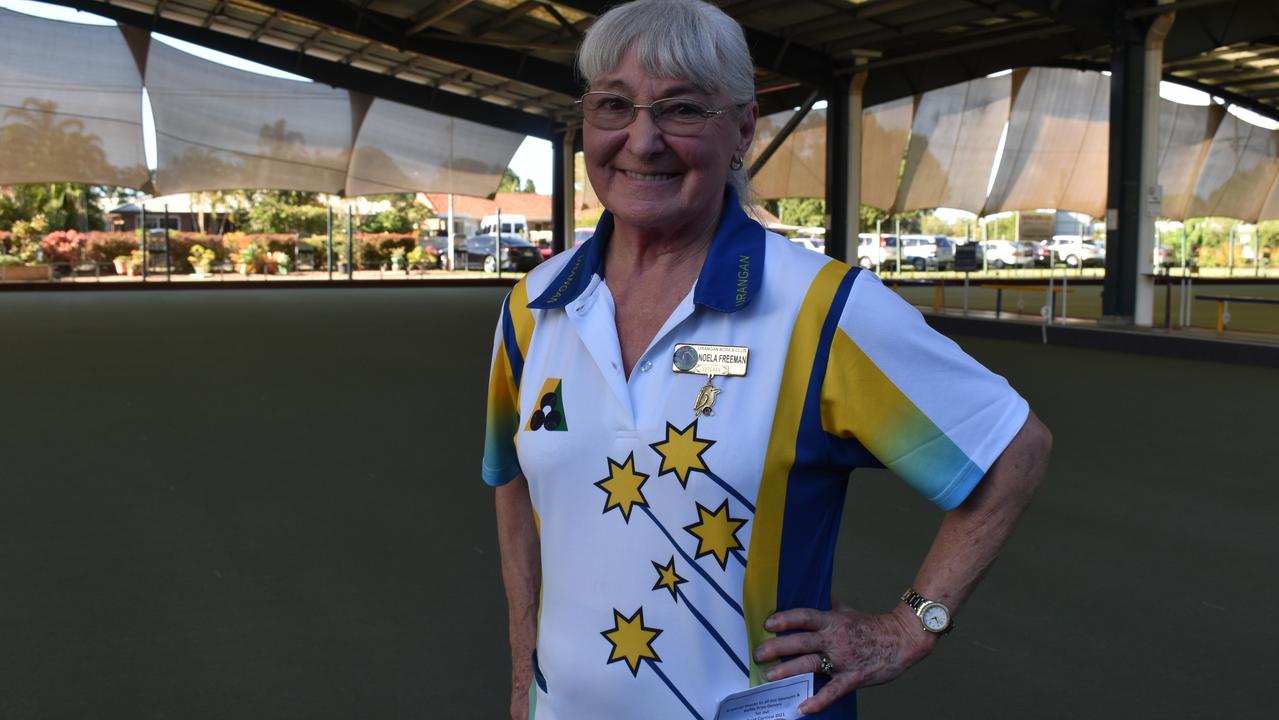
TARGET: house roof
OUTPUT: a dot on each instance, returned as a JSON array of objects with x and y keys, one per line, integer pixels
[{"x": 534, "y": 207}]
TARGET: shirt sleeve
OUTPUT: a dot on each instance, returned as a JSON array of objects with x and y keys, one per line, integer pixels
[
  {"x": 502, "y": 420},
  {"x": 924, "y": 408}
]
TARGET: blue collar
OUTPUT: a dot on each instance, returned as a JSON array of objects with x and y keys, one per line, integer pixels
[{"x": 730, "y": 277}]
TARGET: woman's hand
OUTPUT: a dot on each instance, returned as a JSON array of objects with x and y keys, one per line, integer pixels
[
  {"x": 864, "y": 649},
  {"x": 519, "y": 703}
]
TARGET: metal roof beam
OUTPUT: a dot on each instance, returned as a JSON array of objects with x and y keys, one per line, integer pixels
[
  {"x": 1096, "y": 15},
  {"x": 502, "y": 20},
  {"x": 330, "y": 73},
  {"x": 434, "y": 14},
  {"x": 875, "y": 38},
  {"x": 771, "y": 52},
  {"x": 389, "y": 30}
]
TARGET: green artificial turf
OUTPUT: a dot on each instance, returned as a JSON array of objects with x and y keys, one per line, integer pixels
[{"x": 266, "y": 504}]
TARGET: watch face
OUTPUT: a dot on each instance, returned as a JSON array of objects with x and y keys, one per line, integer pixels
[{"x": 935, "y": 616}]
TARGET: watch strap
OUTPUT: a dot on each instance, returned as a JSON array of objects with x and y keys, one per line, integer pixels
[{"x": 915, "y": 601}]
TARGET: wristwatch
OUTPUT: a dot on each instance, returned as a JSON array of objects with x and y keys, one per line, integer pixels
[{"x": 934, "y": 616}]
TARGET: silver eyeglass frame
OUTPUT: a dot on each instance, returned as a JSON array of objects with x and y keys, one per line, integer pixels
[{"x": 707, "y": 115}]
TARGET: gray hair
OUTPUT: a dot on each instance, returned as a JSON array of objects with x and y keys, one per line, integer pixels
[{"x": 685, "y": 39}]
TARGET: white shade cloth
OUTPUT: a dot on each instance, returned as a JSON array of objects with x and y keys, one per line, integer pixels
[
  {"x": 1185, "y": 134},
  {"x": 1056, "y": 153},
  {"x": 1239, "y": 173},
  {"x": 70, "y": 104},
  {"x": 885, "y": 132},
  {"x": 952, "y": 145},
  {"x": 798, "y": 168},
  {"x": 406, "y": 149},
  {"x": 218, "y": 128}
]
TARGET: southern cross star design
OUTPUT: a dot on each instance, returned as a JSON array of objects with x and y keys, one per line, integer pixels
[
  {"x": 716, "y": 533},
  {"x": 682, "y": 451},
  {"x": 631, "y": 641},
  {"x": 667, "y": 578},
  {"x": 623, "y": 486}
]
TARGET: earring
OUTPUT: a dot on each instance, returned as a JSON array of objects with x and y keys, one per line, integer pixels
[{"x": 736, "y": 163}]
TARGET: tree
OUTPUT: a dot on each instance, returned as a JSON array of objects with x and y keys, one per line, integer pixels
[
  {"x": 805, "y": 212},
  {"x": 63, "y": 205},
  {"x": 281, "y": 211},
  {"x": 529, "y": 187},
  {"x": 510, "y": 182},
  {"x": 404, "y": 216}
]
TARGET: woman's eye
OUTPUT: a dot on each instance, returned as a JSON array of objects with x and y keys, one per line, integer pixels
[
  {"x": 685, "y": 111},
  {"x": 615, "y": 105}
]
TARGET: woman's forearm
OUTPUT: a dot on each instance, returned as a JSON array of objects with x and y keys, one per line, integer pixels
[
  {"x": 972, "y": 535},
  {"x": 522, "y": 576}
]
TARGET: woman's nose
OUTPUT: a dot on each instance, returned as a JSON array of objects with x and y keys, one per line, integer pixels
[{"x": 645, "y": 138}]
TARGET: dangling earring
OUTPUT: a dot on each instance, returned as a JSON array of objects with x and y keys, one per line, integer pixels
[{"x": 736, "y": 163}]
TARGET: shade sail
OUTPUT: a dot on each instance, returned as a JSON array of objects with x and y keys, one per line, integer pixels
[
  {"x": 885, "y": 132},
  {"x": 1270, "y": 209},
  {"x": 1056, "y": 152},
  {"x": 953, "y": 142},
  {"x": 1237, "y": 176},
  {"x": 798, "y": 168},
  {"x": 406, "y": 149},
  {"x": 1185, "y": 134},
  {"x": 70, "y": 104},
  {"x": 218, "y": 128}
]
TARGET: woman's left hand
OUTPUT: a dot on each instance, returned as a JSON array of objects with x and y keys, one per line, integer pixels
[{"x": 863, "y": 649}]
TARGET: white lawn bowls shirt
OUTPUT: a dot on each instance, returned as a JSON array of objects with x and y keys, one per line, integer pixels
[{"x": 667, "y": 538}]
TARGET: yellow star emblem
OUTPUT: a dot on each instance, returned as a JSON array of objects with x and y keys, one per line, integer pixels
[
  {"x": 681, "y": 452},
  {"x": 623, "y": 487},
  {"x": 631, "y": 641},
  {"x": 667, "y": 577},
  {"x": 716, "y": 533}
]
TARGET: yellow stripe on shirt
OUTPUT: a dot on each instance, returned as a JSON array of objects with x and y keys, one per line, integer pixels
[{"x": 759, "y": 596}]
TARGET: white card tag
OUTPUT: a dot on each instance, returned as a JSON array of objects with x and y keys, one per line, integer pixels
[{"x": 777, "y": 700}]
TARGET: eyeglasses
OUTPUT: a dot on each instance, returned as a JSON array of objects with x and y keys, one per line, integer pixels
[{"x": 673, "y": 116}]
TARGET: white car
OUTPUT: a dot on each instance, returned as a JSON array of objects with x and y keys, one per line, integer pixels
[
  {"x": 875, "y": 251},
  {"x": 1000, "y": 254},
  {"x": 1076, "y": 251}
]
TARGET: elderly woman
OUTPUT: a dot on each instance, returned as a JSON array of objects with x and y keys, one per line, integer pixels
[{"x": 675, "y": 407}]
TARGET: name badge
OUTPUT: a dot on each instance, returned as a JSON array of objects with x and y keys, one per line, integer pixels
[{"x": 711, "y": 360}]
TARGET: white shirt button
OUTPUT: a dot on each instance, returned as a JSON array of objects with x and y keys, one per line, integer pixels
[{"x": 646, "y": 366}]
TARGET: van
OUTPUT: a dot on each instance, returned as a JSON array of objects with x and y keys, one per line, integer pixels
[{"x": 511, "y": 225}]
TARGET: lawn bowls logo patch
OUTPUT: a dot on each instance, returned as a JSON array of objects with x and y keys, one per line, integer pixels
[{"x": 549, "y": 413}]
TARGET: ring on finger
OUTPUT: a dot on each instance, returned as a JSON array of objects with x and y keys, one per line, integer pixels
[{"x": 824, "y": 665}]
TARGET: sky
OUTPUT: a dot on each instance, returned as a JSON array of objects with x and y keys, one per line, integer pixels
[{"x": 533, "y": 158}]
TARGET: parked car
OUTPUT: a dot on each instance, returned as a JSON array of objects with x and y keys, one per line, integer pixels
[
  {"x": 582, "y": 234},
  {"x": 923, "y": 252},
  {"x": 877, "y": 251},
  {"x": 1076, "y": 251},
  {"x": 480, "y": 251},
  {"x": 817, "y": 245},
  {"x": 1000, "y": 254}
]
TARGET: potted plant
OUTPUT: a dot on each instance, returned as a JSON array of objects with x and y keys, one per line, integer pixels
[
  {"x": 201, "y": 259},
  {"x": 121, "y": 263},
  {"x": 397, "y": 259},
  {"x": 282, "y": 261},
  {"x": 248, "y": 259}
]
